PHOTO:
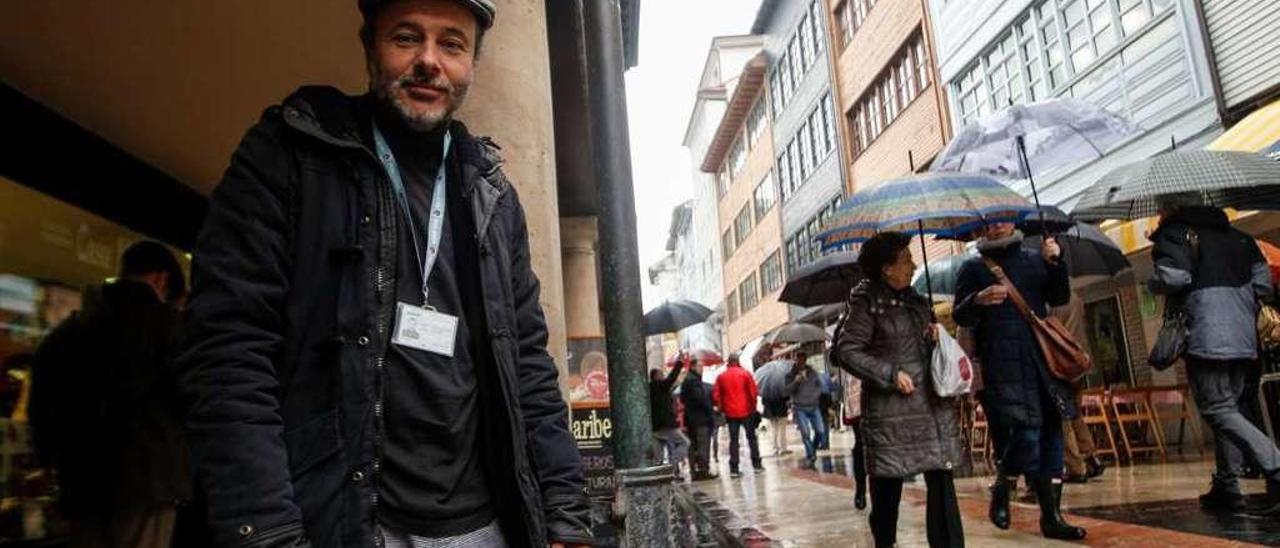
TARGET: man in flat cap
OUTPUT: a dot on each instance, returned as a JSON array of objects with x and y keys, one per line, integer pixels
[{"x": 366, "y": 357}]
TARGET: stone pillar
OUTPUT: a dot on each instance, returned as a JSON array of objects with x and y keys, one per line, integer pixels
[
  {"x": 581, "y": 284},
  {"x": 511, "y": 102}
]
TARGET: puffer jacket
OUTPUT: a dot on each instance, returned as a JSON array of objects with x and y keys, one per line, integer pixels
[
  {"x": 1221, "y": 288},
  {"x": 1016, "y": 383},
  {"x": 289, "y": 322},
  {"x": 884, "y": 334}
]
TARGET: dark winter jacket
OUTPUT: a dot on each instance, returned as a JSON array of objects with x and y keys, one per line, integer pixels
[
  {"x": 662, "y": 406},
  {"x": 1221, "y": 288},
  {"x": 804, "y": 391},
  {"x": 1016, "y": 380},
  {"x": 696, "y": 396},
  {"x": 293, "y": 300},
  {"x": 104, "y": 404},
  {"x": 884, "y": 334}
]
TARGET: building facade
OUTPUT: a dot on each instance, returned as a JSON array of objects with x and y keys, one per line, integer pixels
[
  {"x": 893, "y": 111},
  {"x": 741, "y": 157},
  {"x": 802, "y": 108}
]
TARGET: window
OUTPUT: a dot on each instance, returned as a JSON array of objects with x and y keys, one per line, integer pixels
[
  {"x": 771, "y": 274},
  {"x": 722, "y": 183},
  {"x": 748, "y": 297},
  {"x": 726, "y": 244},
  {"x": 805, "y": 38},
  {"x": 849, "y": 17},
  {"x": 755, "y": 123},
  {"x": 809, "y": 147},
  {"x": 742, "y": 225},
  {"x": 784, "y": 174},
  {"x": 816, "y": 27},
  {"x": 737, "y": 156},
  {"x": 828, "y": 125},
  {"x": 764, "y": 196},
  {"x": 803, "y": 49},
  {"x": 892, "y": 92},
  {"x": 731, "y": 306},
  {"x": 802, "y": 143}
]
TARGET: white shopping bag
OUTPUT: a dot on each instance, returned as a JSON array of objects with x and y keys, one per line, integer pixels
[{"x": 951, "y": 369}]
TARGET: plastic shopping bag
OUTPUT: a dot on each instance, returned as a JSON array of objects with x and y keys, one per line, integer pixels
[{"x": 951, "y": 369}]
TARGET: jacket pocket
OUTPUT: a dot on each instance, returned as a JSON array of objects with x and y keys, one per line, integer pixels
[{"x": 311, "y": 443}]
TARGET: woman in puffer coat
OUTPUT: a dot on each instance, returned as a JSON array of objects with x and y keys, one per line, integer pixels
[{"x": 886, "y": 341}]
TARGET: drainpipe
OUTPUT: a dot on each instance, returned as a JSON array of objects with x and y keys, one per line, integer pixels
[{"x": 644, "y": 492}]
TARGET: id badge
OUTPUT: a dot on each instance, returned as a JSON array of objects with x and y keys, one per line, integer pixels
[{"x": 425, "y": 329}]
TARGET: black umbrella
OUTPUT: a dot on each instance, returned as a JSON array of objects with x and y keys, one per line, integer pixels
[
  {"x": 672, "y": 316},
  {"x": 1054, "y": 220},
  {"x": 1087, "y": 250},
  {"x": 824, "y": 281}
]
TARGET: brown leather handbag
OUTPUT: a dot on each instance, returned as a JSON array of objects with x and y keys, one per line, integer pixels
[{"x": 1067, "y": 360}]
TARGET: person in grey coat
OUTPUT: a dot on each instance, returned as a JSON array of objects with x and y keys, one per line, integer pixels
[
  {"x": 886, "y": 341},
  {"x": 804, "y": 385},
  {"x": 1219, "y": 274}
]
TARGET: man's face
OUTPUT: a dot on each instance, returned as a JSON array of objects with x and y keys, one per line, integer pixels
[
  {"x": 420, "y": 57},
  {"x": 998, "y": 231}
]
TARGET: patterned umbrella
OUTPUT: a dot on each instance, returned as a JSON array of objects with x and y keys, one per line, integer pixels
[
  {"x": 942, "y": 204},
  {"x": 1242, "y": 180}
]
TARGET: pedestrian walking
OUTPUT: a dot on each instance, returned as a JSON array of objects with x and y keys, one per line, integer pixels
[
  {"x": 669, "y": 444},
  {"x": 1025, "y": 404},
  {"x": 735, "y": 394},
  {"x": 805, "y": 387},
  {"x": 1220, "y": 275},
  {"x": 699, "y": 420},
  {"x": 105, "y": 411},
  {"x": 366, "y": 352},
  {"x": 886, "y": 340},
  {"x": 778, "y": 412}
]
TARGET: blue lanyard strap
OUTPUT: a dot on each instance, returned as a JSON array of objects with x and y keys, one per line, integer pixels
[{"x": 435, "y": 225}]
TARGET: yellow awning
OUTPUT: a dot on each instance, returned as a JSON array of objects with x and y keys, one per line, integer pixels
[{"x": 1256, "y": 132}]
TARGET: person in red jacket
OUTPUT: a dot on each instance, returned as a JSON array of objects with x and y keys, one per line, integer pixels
[{"x": 735, "y": 395}]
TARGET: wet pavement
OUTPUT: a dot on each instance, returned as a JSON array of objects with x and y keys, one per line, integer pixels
[{"x": 1132, "y": 506}]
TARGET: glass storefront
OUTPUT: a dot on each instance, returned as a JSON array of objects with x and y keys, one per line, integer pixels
[{"x": 49, "y": 252}]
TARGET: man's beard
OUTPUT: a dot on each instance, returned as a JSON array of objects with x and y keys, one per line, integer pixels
[{"x": 389, "y": 91}]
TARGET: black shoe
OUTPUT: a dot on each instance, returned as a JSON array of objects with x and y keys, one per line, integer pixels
[
  {"x": 1074, "y": 478},
  {"x": 1049, "y": 493},
  {"x": 1271, "y": 504},
  {"x": 999, "y": 511},
  {"x": 735, "y": 474},
  {"x": 1094, "y": 467},
  {"x": 1218, "y": 499},
  {"x": 759, "y": 468}
]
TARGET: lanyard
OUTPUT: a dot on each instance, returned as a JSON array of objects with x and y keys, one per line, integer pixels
[{"x": 436, "y": 223}]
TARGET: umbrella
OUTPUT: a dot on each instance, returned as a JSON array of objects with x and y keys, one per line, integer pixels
[
  {"x": 942, "y": 204},
  {"x": 1087, "y": 250},
  {"x": 795, "y": 332},
  {"x": 705, "y": 357},
  {"x": 672, "y": 316},
  {"x": 1242, "y": 180},
  {"x": 771, "y": 379},
  {"x": 944, "y": 273},
  {"x": 1022, "y": 140},
  {"x": 824, "y": 281},
  {"x": 821, "y": 315}
]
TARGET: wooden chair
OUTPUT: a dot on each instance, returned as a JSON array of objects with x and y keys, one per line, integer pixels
[
  {"x": 1093, "y": 409},
  {"x": 1176, "y": 399},
  {"x": 1129, "y": 407},
  {"x": 980, "y": 437}
]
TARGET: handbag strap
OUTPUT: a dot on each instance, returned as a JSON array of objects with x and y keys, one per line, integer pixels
[{"x": 1018, "y": 301}]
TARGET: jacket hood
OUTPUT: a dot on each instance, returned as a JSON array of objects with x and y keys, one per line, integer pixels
[{"x": 1196, "y": 217}]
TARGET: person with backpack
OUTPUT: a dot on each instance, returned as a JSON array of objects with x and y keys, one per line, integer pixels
[{"x": 104, "y": 408}]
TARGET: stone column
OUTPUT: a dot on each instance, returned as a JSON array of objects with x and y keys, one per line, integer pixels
[
  {"x": 581, "y": 286},
  {"x": 510, "y": 101}
]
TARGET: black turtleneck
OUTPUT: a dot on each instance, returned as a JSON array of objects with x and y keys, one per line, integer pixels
[{"x": 432, "y": 481}]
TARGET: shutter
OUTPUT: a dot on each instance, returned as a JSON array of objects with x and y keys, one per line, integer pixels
[{"x": 1246, "y": 36}]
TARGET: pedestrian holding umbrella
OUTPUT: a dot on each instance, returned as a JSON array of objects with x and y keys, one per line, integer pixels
[
  {"x": 942, "y": 204},
  {"x": 672, "y": 316}
]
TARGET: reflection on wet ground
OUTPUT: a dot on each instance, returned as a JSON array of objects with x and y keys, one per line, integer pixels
[{"x": 1132, "y": 506}]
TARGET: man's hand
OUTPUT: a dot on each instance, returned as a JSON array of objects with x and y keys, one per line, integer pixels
[
  {"x": 904, "y": 384},
  {"x": 1051, "y": 250},
  {"x": 993, "y": 295}
]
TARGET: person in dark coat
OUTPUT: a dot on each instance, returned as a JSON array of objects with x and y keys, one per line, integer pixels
[
  {"x": 805, "y": 389},
  {"x": 699, "y": 420},
  {"x": 352, "y": 383},
  {"x": 1219, "y": 274},
  {"x": 669, "y": 443},
  {"x": 1025, "y": 404},
  {"x": 105, "y": 411},
  {"x": 886, "y": 341}
]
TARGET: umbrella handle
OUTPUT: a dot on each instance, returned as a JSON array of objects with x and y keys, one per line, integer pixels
[
  {"x": 928, "y": 278},
  {"x": 1026, "y": 166}
]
